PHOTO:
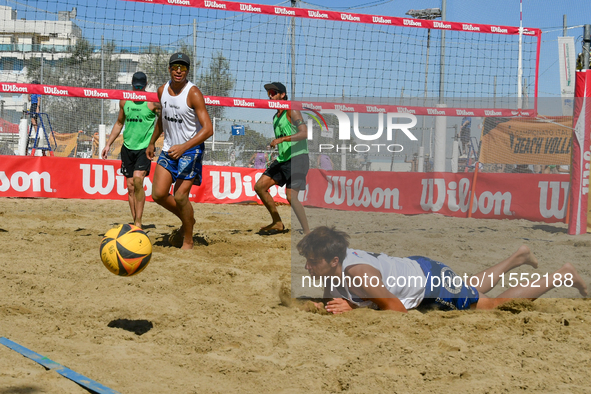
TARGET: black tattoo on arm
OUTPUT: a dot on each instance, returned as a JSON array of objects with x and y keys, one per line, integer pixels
[{"x": 298, "y": 122}]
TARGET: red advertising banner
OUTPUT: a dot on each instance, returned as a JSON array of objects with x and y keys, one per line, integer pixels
[
  {"x": 581, "y": 154},
  {"x": 62, "y": 177},
  {"x": 535, "y": 197}
]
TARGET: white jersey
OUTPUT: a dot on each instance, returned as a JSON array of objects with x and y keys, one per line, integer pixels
[
  {"x": 401, "y": 276},
  {"x": 179, "y": 121}
]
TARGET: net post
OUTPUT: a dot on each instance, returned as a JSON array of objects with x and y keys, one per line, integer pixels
[
  {"x": 102, "y": 78},
  {"x": 294, "y": 4},
  {"x": 23, "y": 135},
  {"x": 194, "y": 50},
  {"x": 421, "y": 159},
  {"x": 455, "y": 154},
  {"x": 213, "y": 134},
  {"x": 519, "y": 59},
  {"x": 440, "y": 142},
  {"x": 473, "y": 189},
  {"x": 586, "y": 46},
  {"x": 102, "y": 137},
  {"x": 442, "y": 54}
]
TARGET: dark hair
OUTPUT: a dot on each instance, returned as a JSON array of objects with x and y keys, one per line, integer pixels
[{"x": 324, "y": 242}]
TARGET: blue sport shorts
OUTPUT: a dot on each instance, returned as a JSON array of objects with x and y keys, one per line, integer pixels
[
  {"x": 445, "y": 289},
  {"x": 188, "y": 166}
]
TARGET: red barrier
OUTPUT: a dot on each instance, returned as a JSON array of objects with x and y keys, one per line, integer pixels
[
  {"x": 535, "y": 197},
  {"x": 58, "y": 177}
]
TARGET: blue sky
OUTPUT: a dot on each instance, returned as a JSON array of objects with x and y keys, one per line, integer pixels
[{"x": 546, "y": 15}]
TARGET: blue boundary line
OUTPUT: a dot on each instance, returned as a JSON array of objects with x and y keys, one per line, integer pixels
[{"x": 82, "y": 380}]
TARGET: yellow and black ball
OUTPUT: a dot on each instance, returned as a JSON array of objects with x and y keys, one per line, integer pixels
[{"x": 126, "y": 250}]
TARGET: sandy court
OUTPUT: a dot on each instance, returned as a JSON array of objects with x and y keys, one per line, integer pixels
[{"x": 211, "y": 320}]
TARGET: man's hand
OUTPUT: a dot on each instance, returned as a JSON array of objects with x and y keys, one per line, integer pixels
[
  {"x": 150, "y": 152},
  {"x": 105, "y": 152},
  {"x": 175, "y": 152},
  {"x": 338, "y": 305},
  {"x": 276, "y": 142}
]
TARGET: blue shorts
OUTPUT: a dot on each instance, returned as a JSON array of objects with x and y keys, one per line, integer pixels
[
  {"x": 441, "y": 291},
  {"x": 188, "y": 166}
]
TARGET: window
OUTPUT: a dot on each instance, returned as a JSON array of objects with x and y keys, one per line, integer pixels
[
  {"x": 8, "y": 63},
  {"x": 127, "y": 66},
  {"x": 18, "y": 64}
]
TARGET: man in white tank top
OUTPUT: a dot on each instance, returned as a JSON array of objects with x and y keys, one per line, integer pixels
[
  {"x": 186, "y": 125},
  {"x": 354, "y": 278}
]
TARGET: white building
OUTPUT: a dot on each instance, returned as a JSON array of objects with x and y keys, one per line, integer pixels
[
  {"x": 27, "y": 36},
  {"x": 48, "y": 41}
]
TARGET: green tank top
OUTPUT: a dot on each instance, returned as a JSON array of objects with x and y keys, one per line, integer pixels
[
  {"x": 139, "y": 125},
  {"x": 287, "y": 150}
]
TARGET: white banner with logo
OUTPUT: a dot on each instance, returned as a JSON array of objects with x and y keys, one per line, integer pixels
[{"x": 567, "y": 63}]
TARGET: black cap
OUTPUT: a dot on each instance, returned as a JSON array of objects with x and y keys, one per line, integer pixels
[
  {"x": 139, "y": 79},
  {"x": 179, "y": 58},
  {"x": 278, "y": 86},
  {"x": 35, "y": 81}
]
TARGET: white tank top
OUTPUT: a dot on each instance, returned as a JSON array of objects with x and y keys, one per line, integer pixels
[
  {"x": 401, "y": 276},
  {"x": 179, "y": 121}
]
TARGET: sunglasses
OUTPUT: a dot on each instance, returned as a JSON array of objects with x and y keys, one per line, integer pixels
[
  {"x": 138, "y": 87},
  {"x": 272, "y": 92},
  {"x": 179, "y": 67}
]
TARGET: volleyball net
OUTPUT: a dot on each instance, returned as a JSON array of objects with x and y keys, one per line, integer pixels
[{"x": 83, "y": 55}]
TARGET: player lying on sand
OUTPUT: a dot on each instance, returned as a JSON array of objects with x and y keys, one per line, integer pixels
[{"x": 355, "y": 278}]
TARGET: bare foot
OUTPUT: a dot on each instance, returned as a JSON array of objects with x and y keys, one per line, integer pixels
[
  {"x": 273, "y": 226},
  {"x": 187, "y": 245},
  {"x": 177, "y": 238},
  {"x": 525, "y": 256},
  {"x": 578, "y": 281},
  {"x": 188, "y": 237}
]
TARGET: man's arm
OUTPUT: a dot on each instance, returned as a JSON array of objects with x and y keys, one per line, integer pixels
[
  {"x": 117, "y": 127},
  {"x": 155, "y": 107},
  {"x": 378, "y": 294},
  {"x": 195, "y": 101},
  {"x": 157, "y": 128},
  {"x": 295, "y": 117}
]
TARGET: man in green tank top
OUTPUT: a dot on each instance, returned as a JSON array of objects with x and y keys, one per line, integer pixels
[
  {"x": 139, "y": 118},
  {"x": 291, "y": 166}
]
